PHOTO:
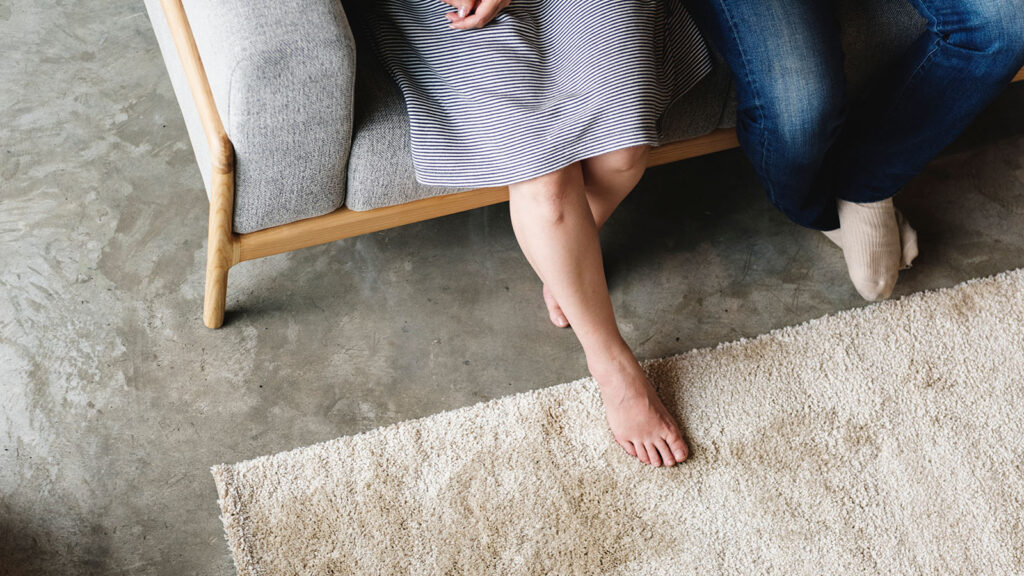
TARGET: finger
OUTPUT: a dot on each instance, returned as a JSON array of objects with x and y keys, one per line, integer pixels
[
  {"x": 463, "y": 8},
  {"x": 485, "y": 11}
]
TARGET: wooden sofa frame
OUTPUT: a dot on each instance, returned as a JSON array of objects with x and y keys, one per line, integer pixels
[{"x": 225, "y": 248}]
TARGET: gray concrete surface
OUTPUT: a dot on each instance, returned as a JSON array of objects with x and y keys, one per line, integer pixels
[{"x": 115, "y": 400}]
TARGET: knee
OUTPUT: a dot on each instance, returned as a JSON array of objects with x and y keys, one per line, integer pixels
[
  {"x": 624, "y": 160},
  {"x": 795, "y": 116},
  {"x": 546, "y": 197},
  {"x": 990, "y": 29},
  {"x": 801, "y": 125}
]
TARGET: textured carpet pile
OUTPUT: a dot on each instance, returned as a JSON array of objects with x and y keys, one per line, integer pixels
[{"x": 884, "y": 440}]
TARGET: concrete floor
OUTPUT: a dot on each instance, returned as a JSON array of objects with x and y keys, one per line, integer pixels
[{"x": 116, "y": 400}]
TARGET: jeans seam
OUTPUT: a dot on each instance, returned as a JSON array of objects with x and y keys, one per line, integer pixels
[
  {"x": 935, "y": 26},
  {"x": 916, "y": 73},
  {"x": 723, "y": 4}
]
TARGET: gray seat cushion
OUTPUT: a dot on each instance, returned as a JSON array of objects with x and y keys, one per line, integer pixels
[
  {"x": 380, "y": 171},
  {"x": 380, "y": 167}
]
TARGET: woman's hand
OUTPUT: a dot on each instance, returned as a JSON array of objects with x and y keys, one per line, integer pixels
[{"x": 473, "y": 13}]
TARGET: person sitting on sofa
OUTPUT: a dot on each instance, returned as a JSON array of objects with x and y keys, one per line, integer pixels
[
  {"x": 560, "y": 101},
  {"x": 834, "y": 166}
]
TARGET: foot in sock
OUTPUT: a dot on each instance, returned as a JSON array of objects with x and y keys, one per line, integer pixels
[
  {"x": 908, "y": 240},
  {"x": 870, "y": 238}
]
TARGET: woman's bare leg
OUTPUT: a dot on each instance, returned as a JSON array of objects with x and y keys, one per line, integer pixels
[
  {"x": 608, "y": 179},
  {"x": 556, "y": 230}
]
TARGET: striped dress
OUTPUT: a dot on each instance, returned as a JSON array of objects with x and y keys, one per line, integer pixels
[{"x": 545, "y": 84}]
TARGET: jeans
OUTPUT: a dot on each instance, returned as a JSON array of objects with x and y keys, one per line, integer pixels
[{"x": 808, "y": 144}]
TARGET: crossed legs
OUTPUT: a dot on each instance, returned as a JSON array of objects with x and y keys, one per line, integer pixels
[
  {"x": 555, "y": 218},
  {"x": 607, "y": 180}
]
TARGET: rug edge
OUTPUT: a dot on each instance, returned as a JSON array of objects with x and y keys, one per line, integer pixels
[
  {"x": 807, "y": 324},
  {"x": 226, "y": 471},
  {"x": 231, "y": 517},
  {"x": 849, "y": 312},
  {"x": 401, "y": 423}
]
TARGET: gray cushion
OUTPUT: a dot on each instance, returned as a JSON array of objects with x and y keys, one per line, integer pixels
[
  {"x": 699, "y": 111},
  {"x": 380, "y": 171},
  {"x": 282, "y": 74}
]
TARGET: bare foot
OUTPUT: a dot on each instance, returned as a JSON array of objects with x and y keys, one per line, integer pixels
[
  {"x": 639, "y": 420},
  {"x": 554, "y": 310}
]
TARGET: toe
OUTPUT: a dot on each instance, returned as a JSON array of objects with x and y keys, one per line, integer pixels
[
  {"x": 641, "y": 453},
  {"x": 560, "y": 320},
  {"x": 628, "y": 447},
  {"x": 652, "y": 453},
  {"x": 554, "y": 310},
  {"x": 679, "y": 448},
  {"x": 875, "y": 288},
  {"x": 667, "y": 458}
]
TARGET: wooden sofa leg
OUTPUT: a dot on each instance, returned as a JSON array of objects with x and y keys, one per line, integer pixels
[
  {"x": 216, "y": 292},
  {"x": 222, "y": 248}
]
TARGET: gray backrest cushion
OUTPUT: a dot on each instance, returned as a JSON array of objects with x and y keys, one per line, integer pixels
[
  {"x": 875, "y": 32},
  {"x": 282, "y": 73}
]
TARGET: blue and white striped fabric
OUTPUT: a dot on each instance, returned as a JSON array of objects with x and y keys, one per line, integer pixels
[{"x": 545, "y": 84}]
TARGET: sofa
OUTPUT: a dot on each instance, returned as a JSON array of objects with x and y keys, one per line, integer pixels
[{"x": 302, "y": 137}]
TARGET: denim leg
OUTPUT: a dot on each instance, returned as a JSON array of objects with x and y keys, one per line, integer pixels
[
  {"x": 969, "y": 53},
  {"x": 787, "y": 66}
]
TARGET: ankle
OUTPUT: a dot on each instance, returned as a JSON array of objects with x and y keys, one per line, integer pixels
[
  {"x": 871, "y": 246},
  {"x": 613, "y": 365}
]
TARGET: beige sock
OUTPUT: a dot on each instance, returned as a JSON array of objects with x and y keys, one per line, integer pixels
[
  {"x": 908, "y": 240},
  {"x": 870, "y": 238},
  {"x": 836, "y": 236}
]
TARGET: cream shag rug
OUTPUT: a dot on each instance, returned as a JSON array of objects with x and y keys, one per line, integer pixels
[{"x": 886, "y": 440}]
